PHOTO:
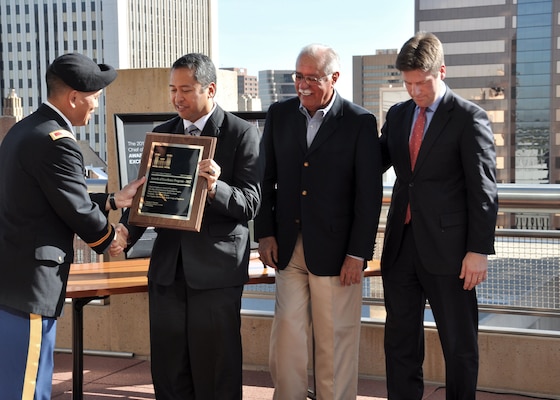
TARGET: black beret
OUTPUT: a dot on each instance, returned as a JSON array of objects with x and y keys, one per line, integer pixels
[{"x": 81, "y": 73}]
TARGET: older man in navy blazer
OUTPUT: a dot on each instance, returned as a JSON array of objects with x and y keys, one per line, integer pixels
[
  {"x": 321, "y": 202},
  {"x": 440, "y": 226}
]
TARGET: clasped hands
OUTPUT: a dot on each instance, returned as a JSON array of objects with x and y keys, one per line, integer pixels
[
  {"x": 208, "y": 169},
  {"x": 120, "y": 242},
  {"x": 123, "y": 199}
]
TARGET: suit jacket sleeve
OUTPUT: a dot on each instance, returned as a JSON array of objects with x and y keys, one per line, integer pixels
[
  {"x": 101, "y": 200},
  {"x": 238, "y": 190},
  {"x": 479, "y": 160},
  {"x": 264, "y": 223}
]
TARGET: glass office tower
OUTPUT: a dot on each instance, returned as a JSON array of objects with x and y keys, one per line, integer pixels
[
  {"x": 531, "y": 103},
  {"x": 504, "y": 55}
]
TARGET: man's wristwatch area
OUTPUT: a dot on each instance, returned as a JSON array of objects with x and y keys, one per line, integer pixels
[
  {"x": 213, "y": 188},
  {"x": 112, "y": 201}
]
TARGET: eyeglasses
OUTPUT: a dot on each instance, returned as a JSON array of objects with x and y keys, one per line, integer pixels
[{"x": 310, "y": 80}]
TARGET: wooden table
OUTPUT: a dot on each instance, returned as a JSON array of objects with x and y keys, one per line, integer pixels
[{"x": 93, "y": 281}]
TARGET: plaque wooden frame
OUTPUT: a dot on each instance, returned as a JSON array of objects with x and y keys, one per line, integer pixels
[{"x": 159, "y": 203}]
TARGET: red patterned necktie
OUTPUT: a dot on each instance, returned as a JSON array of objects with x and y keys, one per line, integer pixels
[
  {"x": 417, "y": 135},
  {"x": 414, "y": 147}
]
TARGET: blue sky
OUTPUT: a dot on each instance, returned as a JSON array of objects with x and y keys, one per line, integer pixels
[{"x": 267, "y": 34}]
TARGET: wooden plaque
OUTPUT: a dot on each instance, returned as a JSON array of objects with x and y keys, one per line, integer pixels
[{"x": 174, "y": 195}]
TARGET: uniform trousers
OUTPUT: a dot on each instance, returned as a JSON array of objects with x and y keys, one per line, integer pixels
[
  {"x": 26, "y": 355},
  {"x": 407, "y": 284},
  {"x": 319, "y": 304}
]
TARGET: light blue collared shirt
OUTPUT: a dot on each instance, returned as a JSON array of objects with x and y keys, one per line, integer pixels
[
  {"x": 429, "y": 110},
  {"x": 314, "y": 123}
]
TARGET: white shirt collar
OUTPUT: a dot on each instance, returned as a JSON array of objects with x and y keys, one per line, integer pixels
[
  {"x": 62, "y": 115},
  {"x": 201, "y": 122}
]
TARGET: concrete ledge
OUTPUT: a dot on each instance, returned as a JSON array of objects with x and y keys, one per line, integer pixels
[{"x": 509, "y": 361}]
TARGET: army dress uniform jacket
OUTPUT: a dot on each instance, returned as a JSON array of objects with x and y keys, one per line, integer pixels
[{"x": 43, "y": 202}]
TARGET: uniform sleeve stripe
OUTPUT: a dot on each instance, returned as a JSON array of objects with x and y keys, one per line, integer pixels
[
  {"x": 33, "y": 353},
  {"x": 104, "y": 238}
]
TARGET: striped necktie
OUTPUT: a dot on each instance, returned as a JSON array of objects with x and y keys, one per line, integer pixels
[{"x": 192, "y": 130}]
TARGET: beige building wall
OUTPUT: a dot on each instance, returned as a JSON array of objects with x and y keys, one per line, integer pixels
[
  {"x": 518, "y": 362},
  {"x": 134, "y": 91},
  {"x": 226, "y": 93}
]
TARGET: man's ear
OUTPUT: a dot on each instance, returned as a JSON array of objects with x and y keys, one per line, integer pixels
[
  {"x": 212, "y": 90},
  {"x": 442, "y": 72},
  {"x": 72, "y": 98},
  {"x": 335, "y": 76}
]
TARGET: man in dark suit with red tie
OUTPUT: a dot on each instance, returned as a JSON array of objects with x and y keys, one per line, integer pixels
[{"x": 440, "y": 226}]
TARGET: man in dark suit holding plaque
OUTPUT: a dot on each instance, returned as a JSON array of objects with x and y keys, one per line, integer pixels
[
  {"x": 321, "y": 202},
  {"x": 196, "y": 278}
]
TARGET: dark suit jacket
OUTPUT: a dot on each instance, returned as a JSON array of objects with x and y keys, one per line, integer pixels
[
  {"x": 43, "y": 201},
  {"x": 218, "y": 255},
  {"x": 452, "y": 191},
  {"x": 331, "y": 192}
]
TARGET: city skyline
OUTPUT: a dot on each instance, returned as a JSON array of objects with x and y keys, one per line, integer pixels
[{"x": 254, "y": 36}]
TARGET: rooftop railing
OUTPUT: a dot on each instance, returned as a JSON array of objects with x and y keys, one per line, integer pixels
[{"x": 523, "y": 286}]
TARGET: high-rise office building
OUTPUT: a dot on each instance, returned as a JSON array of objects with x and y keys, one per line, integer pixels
[
  {"x": 123, "y": 33},
  {"x": 505, "y": 56},
  {"x": 372, "y": 73},
  {"x": 246, "y": 84},
  {"x": 275, "y": 85},
  {"x": 247, "y": 90}
]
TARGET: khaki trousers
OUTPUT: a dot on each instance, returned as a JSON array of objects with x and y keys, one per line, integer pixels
[{"x": 319, "y": 304}]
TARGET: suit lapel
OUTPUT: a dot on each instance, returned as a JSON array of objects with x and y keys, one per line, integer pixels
[
  {"x": 214, "y": 123},
  {"x": 299, "y": 129},
  {"x": 404, "y": 138},
  {"x": 329, "y": 125},
  {"x": 435, "y": 129},
  {"x": 180, "y": 127}
]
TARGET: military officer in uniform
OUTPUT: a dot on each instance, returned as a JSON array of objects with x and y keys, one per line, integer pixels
[{"x": 44, "y": 201}]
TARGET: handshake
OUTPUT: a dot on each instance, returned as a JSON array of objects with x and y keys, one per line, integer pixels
[
  {"x": 121, "y": 199},
  {"x": 120, "y": 242}
]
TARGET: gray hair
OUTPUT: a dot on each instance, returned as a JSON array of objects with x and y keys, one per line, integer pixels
[{"x": 327, "y": 59}]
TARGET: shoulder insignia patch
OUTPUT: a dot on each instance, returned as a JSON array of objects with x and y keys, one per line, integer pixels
[{"x": 61, "y": 133}]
